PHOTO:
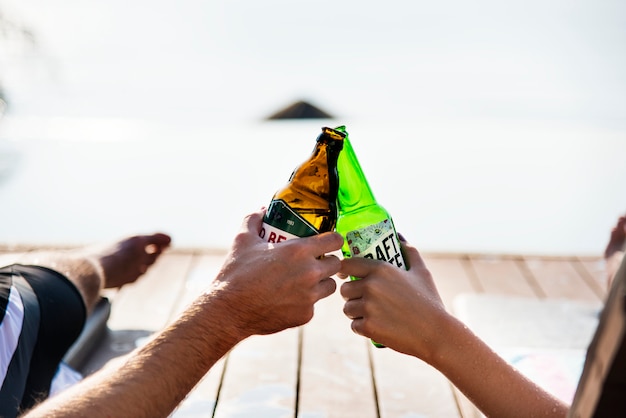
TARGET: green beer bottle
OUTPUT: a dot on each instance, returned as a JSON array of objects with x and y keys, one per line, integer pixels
[
  {"x": 307, "y": 204},
  {"x": 366, "y": 226}
]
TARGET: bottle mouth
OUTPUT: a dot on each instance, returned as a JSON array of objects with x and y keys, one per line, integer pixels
[
  {"x": 333, "y": 133},
  {"x": 333, "y": 138}
]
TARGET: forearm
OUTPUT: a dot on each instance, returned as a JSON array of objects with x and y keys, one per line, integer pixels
[
  {"x": 494, "y": 386},
  {"x": 260, "y": 289},
  {"x": 154, "y": 379}
]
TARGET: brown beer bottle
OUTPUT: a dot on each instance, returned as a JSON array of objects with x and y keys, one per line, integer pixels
[{"x": 307, "y": 204}]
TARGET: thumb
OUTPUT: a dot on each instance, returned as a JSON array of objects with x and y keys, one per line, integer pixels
[
  {"x": 253, "y": 221},
  {"x": 411, "y": 254}
]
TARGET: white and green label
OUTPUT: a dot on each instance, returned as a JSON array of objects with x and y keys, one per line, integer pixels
[
  {"x": 282, "y": 223},
  {"x": 378, "y": 241}
]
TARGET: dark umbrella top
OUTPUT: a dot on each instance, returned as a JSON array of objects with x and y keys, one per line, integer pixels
[{"x": 300, "y": 110}]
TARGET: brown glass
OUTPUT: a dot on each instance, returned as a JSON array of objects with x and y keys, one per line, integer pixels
[{"x": 313, "y": 186}]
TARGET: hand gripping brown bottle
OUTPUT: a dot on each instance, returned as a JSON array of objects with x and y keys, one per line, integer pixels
[{"x": 307, "y": 204}]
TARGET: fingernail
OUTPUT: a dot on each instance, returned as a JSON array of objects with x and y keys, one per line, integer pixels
[{"x": 401, "y": 237}]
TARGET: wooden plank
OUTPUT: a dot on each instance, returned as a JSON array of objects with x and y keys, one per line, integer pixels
[
  {"x": 500, "y": 275},
  {"x": 10, "y": 257},
  {"x": 260, "y": 377},
  {"x": 450, "y": 276},
  {"x": 601, "y": 388},
  {"x": 141, "y": 308},
  {"x": 452, "y": 279},
  {"x": 335, "y": 376},
  {"x": 594, "y": 270},
  {"x": 558, "y": 278},
  {"x": 148, "y": 303},
  {"x": 202, "y": 271},
  {"x": 548, "y": 278},
  {"x": 202, "y": 400},
  {"x": 407, "y": 386}
]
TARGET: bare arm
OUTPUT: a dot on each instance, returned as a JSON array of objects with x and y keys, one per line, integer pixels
[
  {"x": 261, "y": 289},
  {"x": 169, "y": 365},
  {"x": 402, "y": 310},
  {"x": 493, "y": 385}
]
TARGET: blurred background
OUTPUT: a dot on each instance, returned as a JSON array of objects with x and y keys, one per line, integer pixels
[{"x": 482, "y": 126}]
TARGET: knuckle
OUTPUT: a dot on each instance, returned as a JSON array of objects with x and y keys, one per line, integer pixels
[
  {"x": 305, "y": 316},
  {"x": 366, "y": 326},
  {"x": 334, "y": 262},
  {"x": 241, "y": 238},
  {"x": 425, "y": 273},
  {"x": 346, "y": 308}
]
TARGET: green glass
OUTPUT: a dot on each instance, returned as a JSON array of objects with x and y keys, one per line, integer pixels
[{"x": 366, "y": 226}]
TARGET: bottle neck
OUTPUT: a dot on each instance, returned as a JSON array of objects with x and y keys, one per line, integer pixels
[
  {"x": 333, "y": 143},
  {"x": 318, "y": 175},
  {"x": 354, "y": 190}
]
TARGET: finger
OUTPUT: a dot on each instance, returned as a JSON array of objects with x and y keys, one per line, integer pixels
[
  {"x": 352, "y": 290},
  {"x": 353, "y": 309},
  {"x": 411, "y": 252},
  {"x": 329, "y": 266},
  {"x": 325, "y": 288},
  {"x": 324, "y": 243},
  {"x": 357, "y": 266},
  {"x": 253, "y": 221},
  {"x": 160, "y": 240},
  {"x": 357, "y": 326},
  {"x": 414, "y": 257}
]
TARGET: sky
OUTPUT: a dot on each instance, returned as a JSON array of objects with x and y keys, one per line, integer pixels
[
  {"x": 486, "y": 126},
  {"x": 560, "y": 60}
]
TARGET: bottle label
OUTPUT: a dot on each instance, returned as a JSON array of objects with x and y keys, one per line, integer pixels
[
  {"x": 282, "y": 223},
  {"x": 378, "y": 241}
]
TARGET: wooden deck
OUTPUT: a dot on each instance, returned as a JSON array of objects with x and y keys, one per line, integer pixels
[{"x": 322, "y": 369}]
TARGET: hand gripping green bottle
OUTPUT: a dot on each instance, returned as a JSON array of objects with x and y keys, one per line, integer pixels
[
  {"x": 307, "y": 204},
  {"x": 366, "y": 226}
]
